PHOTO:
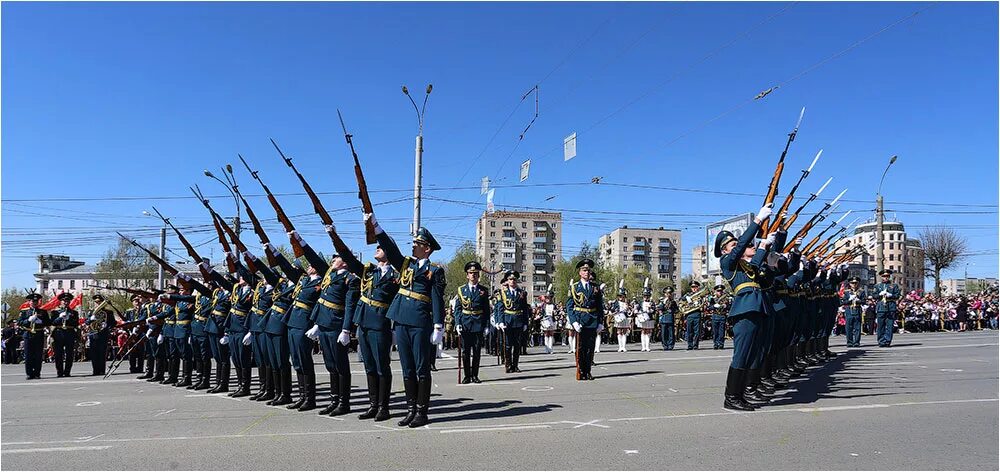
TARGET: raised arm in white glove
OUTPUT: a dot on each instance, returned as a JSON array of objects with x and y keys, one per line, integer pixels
[
  {"x": 764, "y": 212},
  {"x": 370, "y": 217},
  {"x": 330, "y": 229}
]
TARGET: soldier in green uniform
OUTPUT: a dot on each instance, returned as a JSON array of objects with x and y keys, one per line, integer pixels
[
  {"x": 585, "y": 309},
  {"x": 180, "y": 339},
  {"x": 511, "y": 313},
  {"x": 718, "y": 307},
  {"x": 851, "y": 300},
  {"x": 418, "y": 312},
  {"x": 132, "y": 315},
  {"x": 470, "y": 320},
  {"x": 668, "y": 310},
  {"x": 886, "y": 295},
  {"x": 65, "y": 322},
  {"x": 33, "y": 321}
]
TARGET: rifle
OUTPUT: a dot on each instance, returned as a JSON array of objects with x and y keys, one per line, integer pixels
[
  {"x": 258, "y": 229},
  {"x": 459, "y": 358},
  {"x": 318, "y": 207},
  {"x": 162, "y": 263},
  {"x": 812, "y": 196},
  {"x": 222, "y": 227},
  {"x": 576, "y": 351},
  {"x": 282, "y": 217},
  {"x": 780, "y": 214},
  {"x": 205, "y": 274},
  {"x": 820, "y": 235},
  {"x": 819, "y": 216},
  {"x": 117, "y": 362},
  {"x": 366, "y": 202},
  {"x": 772, "y": 190},
  {"x": 826, "y": 244}
]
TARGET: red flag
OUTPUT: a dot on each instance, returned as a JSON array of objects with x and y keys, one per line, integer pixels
[
  {"x": 24, "y": 306},
  {"x": 76, "y": 301},
  {"x": 51, "y": 304}
]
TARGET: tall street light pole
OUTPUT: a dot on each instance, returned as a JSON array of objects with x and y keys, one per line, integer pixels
[
  {"x": 418, "y": 158},
  {"x": 879, "y": 219},
  {"x": 231, "y": 179},
  {"x": 163, "y": 251}
]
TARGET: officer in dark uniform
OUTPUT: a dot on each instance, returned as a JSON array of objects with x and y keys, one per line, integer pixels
[
  {"x": 238, "y": 330},
  {"x": 145, "y": 311},
  {"x": 668, "y": 309},
  {"x": 134, "y": 314},
  {"x": 168, "y": 312},
  {"x": 156, "y": 324},
  {"x": 103, "y": 320},
  {"x": 299, "y": 322},
  {"x": 741, "y": 266},
  {"x": 470, "y": 319},
  {"x": 263, "y": 299},
  {"x": 511, "y": 314},
  {"x": 275, "y": 328},
  {"x": 886, "y": 295},
  {"x": 201, "y": 352},
  {"x": 33, "y": 321},
  {"x": 718, "y": 306},
  {"x": 65, "y": 322},
  {"x": 215, "y": 330},
  {"x": 339, "y": 292},
  {"x": 585, "y": 311},
  {"x": 181, "y": 343},
  {"x": 418, "y": 313},
  {"x": 692, "y": 330},
  {"x": 378, "y": 285},
  {"x": 851, "y": 300}
]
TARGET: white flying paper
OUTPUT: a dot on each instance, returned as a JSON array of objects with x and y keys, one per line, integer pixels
[
  {"x": 569, "y": 147},
  {"x": 524, "y": 169}
]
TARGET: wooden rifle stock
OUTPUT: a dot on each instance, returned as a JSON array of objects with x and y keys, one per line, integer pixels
[
  {"x": 259, "y": 230},
  {"x": 366, "y": 202},
  {"x": 280, "y": 213}
]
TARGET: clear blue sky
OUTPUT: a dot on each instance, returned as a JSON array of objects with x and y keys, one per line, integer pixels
[{"x": 109, "y": 100}]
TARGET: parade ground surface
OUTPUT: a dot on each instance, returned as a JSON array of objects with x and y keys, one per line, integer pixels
[{"x": 929, "y": 402}]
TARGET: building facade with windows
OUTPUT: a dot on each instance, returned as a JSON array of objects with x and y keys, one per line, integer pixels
[
  {"x": 654, "y": 250},
  {"x": 903, "y": 255},
  {"x": 699, "y": 262},
  {"x": 59, "y": 273},
  {"x": 528, "y": 242}
]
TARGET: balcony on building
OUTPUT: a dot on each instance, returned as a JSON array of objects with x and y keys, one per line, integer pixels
[
  {"x": 541, "y": 227},
  {"x": 539, "y": 250},
  {"x": 540, "y": 240}
]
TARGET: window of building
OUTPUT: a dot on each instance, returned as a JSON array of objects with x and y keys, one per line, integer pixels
[
  {"x": 508, "y": 244},
  {"x": 59, "y": 284},
  {"x": 72, "y": 284},
  {"x": 493, "y": 234},
  {"x": 493, "y": 224},
  {"x": 891, "y": 258},
  {"x": 524, "y": 224},
  {"x": 507, "y": 224},
  {"x": 891, "y": 246},
  {"x": 493, "y": 245},
  {"x": 524, "y": 235}
]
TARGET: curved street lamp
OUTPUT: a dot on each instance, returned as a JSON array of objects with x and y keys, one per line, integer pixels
[{"x": 419, "y": 153}]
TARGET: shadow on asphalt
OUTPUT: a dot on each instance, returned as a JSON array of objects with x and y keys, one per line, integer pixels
[
  {"x": 483, "y": 415},
  {"x": 626, "y": 374}
]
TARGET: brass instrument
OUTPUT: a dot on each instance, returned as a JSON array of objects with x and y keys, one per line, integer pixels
[
  {"x": 32, "y": 326},
  {"x": 100, "y": 317},
  {"x": 691, "y": 303}
]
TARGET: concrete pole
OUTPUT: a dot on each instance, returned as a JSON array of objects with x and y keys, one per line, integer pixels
[
  {"x": 417, "y": 186},
  {"x": 163, "y": 252},
  {"x": 879, "y": 236}
]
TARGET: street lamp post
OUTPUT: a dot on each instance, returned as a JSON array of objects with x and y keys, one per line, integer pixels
[
  {"x": 231, "y": 185},
  {"x": 163, "y": 251},
  {"x": 879, "y": 219},
  {"x": 418, "y": 156}
]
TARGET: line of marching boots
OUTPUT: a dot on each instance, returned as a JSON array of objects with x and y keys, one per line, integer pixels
[{"x": 749, "y": 389}]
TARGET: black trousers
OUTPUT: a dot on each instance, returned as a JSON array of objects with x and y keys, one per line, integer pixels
[
  {"x": 586, "y": 338},
  {"x": 98, "y": 352},
  {"x": 515, "y": 341},
  {"x": 34, "y": 344},
  {"x": 64, "y": 350},
  {"x": 472, "y": 347}
]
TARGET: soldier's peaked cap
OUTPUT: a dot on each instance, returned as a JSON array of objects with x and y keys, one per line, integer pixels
[
  {"x": 885, "y": 272},
  {"x": 424, "y": 235},
  {"x": 586, "y": 262},
  {"x": 512, "y": 274},
  {"x": 473, "y": 266},
  {"x": 721, "y": 240},
  {"x": 65, "y": 296}
]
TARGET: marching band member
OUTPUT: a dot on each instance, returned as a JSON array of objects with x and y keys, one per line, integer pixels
[
  {"x": 65, "y": 322},
  {"x": 621, "y": 318},
  {"x": 570, "y": 331},
  {"x": 548, "y": 323},
  {"x": 692, "y": 300},
  {"x": 645, "y": 319},
  {"x": 668, "y": 309},
  {"x": 33, "y": 321}
]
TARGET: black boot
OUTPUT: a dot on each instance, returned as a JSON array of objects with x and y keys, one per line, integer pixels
[
  {"x": 423, "y": 402},
  {"x": 300, "y": 380},
  {"x": 267, "y": 380},
  {"x": 262, "y": 383},
  {"x": 282, "y": 386},
  {"x": 410, "y": 387},
  {"x": 222, "y": 378},
  {"x": 186, "y": 379},
  {"x": 148, "y": 374},
  {"x": 244, "y": 390},
  {"x": 751, "y": 393},
  {"x": 206, "y": 375},
  {"x": 344, "y": 406},
  {"x": 373, "y": 396},
  {"x": 334, "y": 395},
  {"x": 384, "y": 391},
  {"x": 158, "y": 369},
  {"x": 734, "y": 386},
  {"x": 239, "y": 382},
  {"x": 310, "y": 382}
]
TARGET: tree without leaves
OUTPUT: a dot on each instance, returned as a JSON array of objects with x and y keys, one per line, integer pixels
[{"x": 943, "y": 248}]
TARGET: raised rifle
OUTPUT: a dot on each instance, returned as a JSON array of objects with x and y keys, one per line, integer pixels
[
  {"x": 220, "y": 228},
  {"x": 826, "y": 244},
  {"x": 282, "y": 217},
  {"x": 819, "y": 216},
  {"x": 366, "y": 202},
  {"x": 205, "y": 274},
  {"x": 815, "y": 240},
  {"x": 780, "y": 214},
  {"x": 258, "y": 229},
  {"x": 812, "y": 196},
  {"x": 772, "y": 189}
]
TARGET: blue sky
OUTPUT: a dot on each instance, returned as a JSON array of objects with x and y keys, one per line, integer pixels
[{"x": 111, "y": 100}]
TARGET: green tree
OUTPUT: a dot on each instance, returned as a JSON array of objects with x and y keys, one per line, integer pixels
[
  {"x": 124, "y": 265},
  {"x": 565, "y": 270},
  {"x": 454, "y": 271},
  {"x": 13, "y": 298}
]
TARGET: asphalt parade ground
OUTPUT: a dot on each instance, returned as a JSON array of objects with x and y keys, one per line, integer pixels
[{"x": 929, "y": 402}]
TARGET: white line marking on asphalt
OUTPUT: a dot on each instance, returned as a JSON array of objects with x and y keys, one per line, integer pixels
[
  {"x": 874, "y": 364},
  {"x": 56, "y": 449},
  {"x": 88, "y": 403},
  {"x": 693, "y": 358},
  {"x": 672, "y": 390},
  {"x": 165, "y": 412},
  {"x": 900, "y": 378},
  {"x": 631, "y": 451},
  {"x": 538, "y": 388},
  {"x": 67, "y": 382},
  {"x": 489, "y": 382},
  {"x": 501, "y": 428},
  {"x": 89, "y": 438},
  {"x": 79, "y": 388},
  {"x": 588, "y": 423},
  {"x": 952, "y": 370},
  {"x": 679, "y": 374}
]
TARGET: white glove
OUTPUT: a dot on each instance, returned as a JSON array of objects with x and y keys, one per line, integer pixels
[
  {"x": 344, "y": 338},
  {"x": 135, "y": 330},
  {"x": 92, "y": 316},
  {"x": 437, "y": 335},
  {"x": 224, "y": 340},
  {"x": 853, "y": 297},
  {"x": 458, "y": 329},
  {"x": 502, "y": 325},
  {"x": 370, "y": 217},
  {"x": 330, "y": 229},
  {"x": 600, "y": 328},
  {"x": 769, "y": 240},
  {"x": 149, "y": 333},
  {"x": 577, "y": 326},
  {"x": 159, "y": 339},
  {"x": 33, "y": 318},
  {"x": 189, "y": 341},
  {"x": 764, "y": 212},
  {"x": 162, "y": 297},
  {"x": 884, "y": 293},
  {"x": 798, "y": 242},
  {"x": 205, "y": 266},
  {"x": 246, "y": 339},
  {"x": 184, "y": 276},
  {"x": 312, "y": 333}
]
